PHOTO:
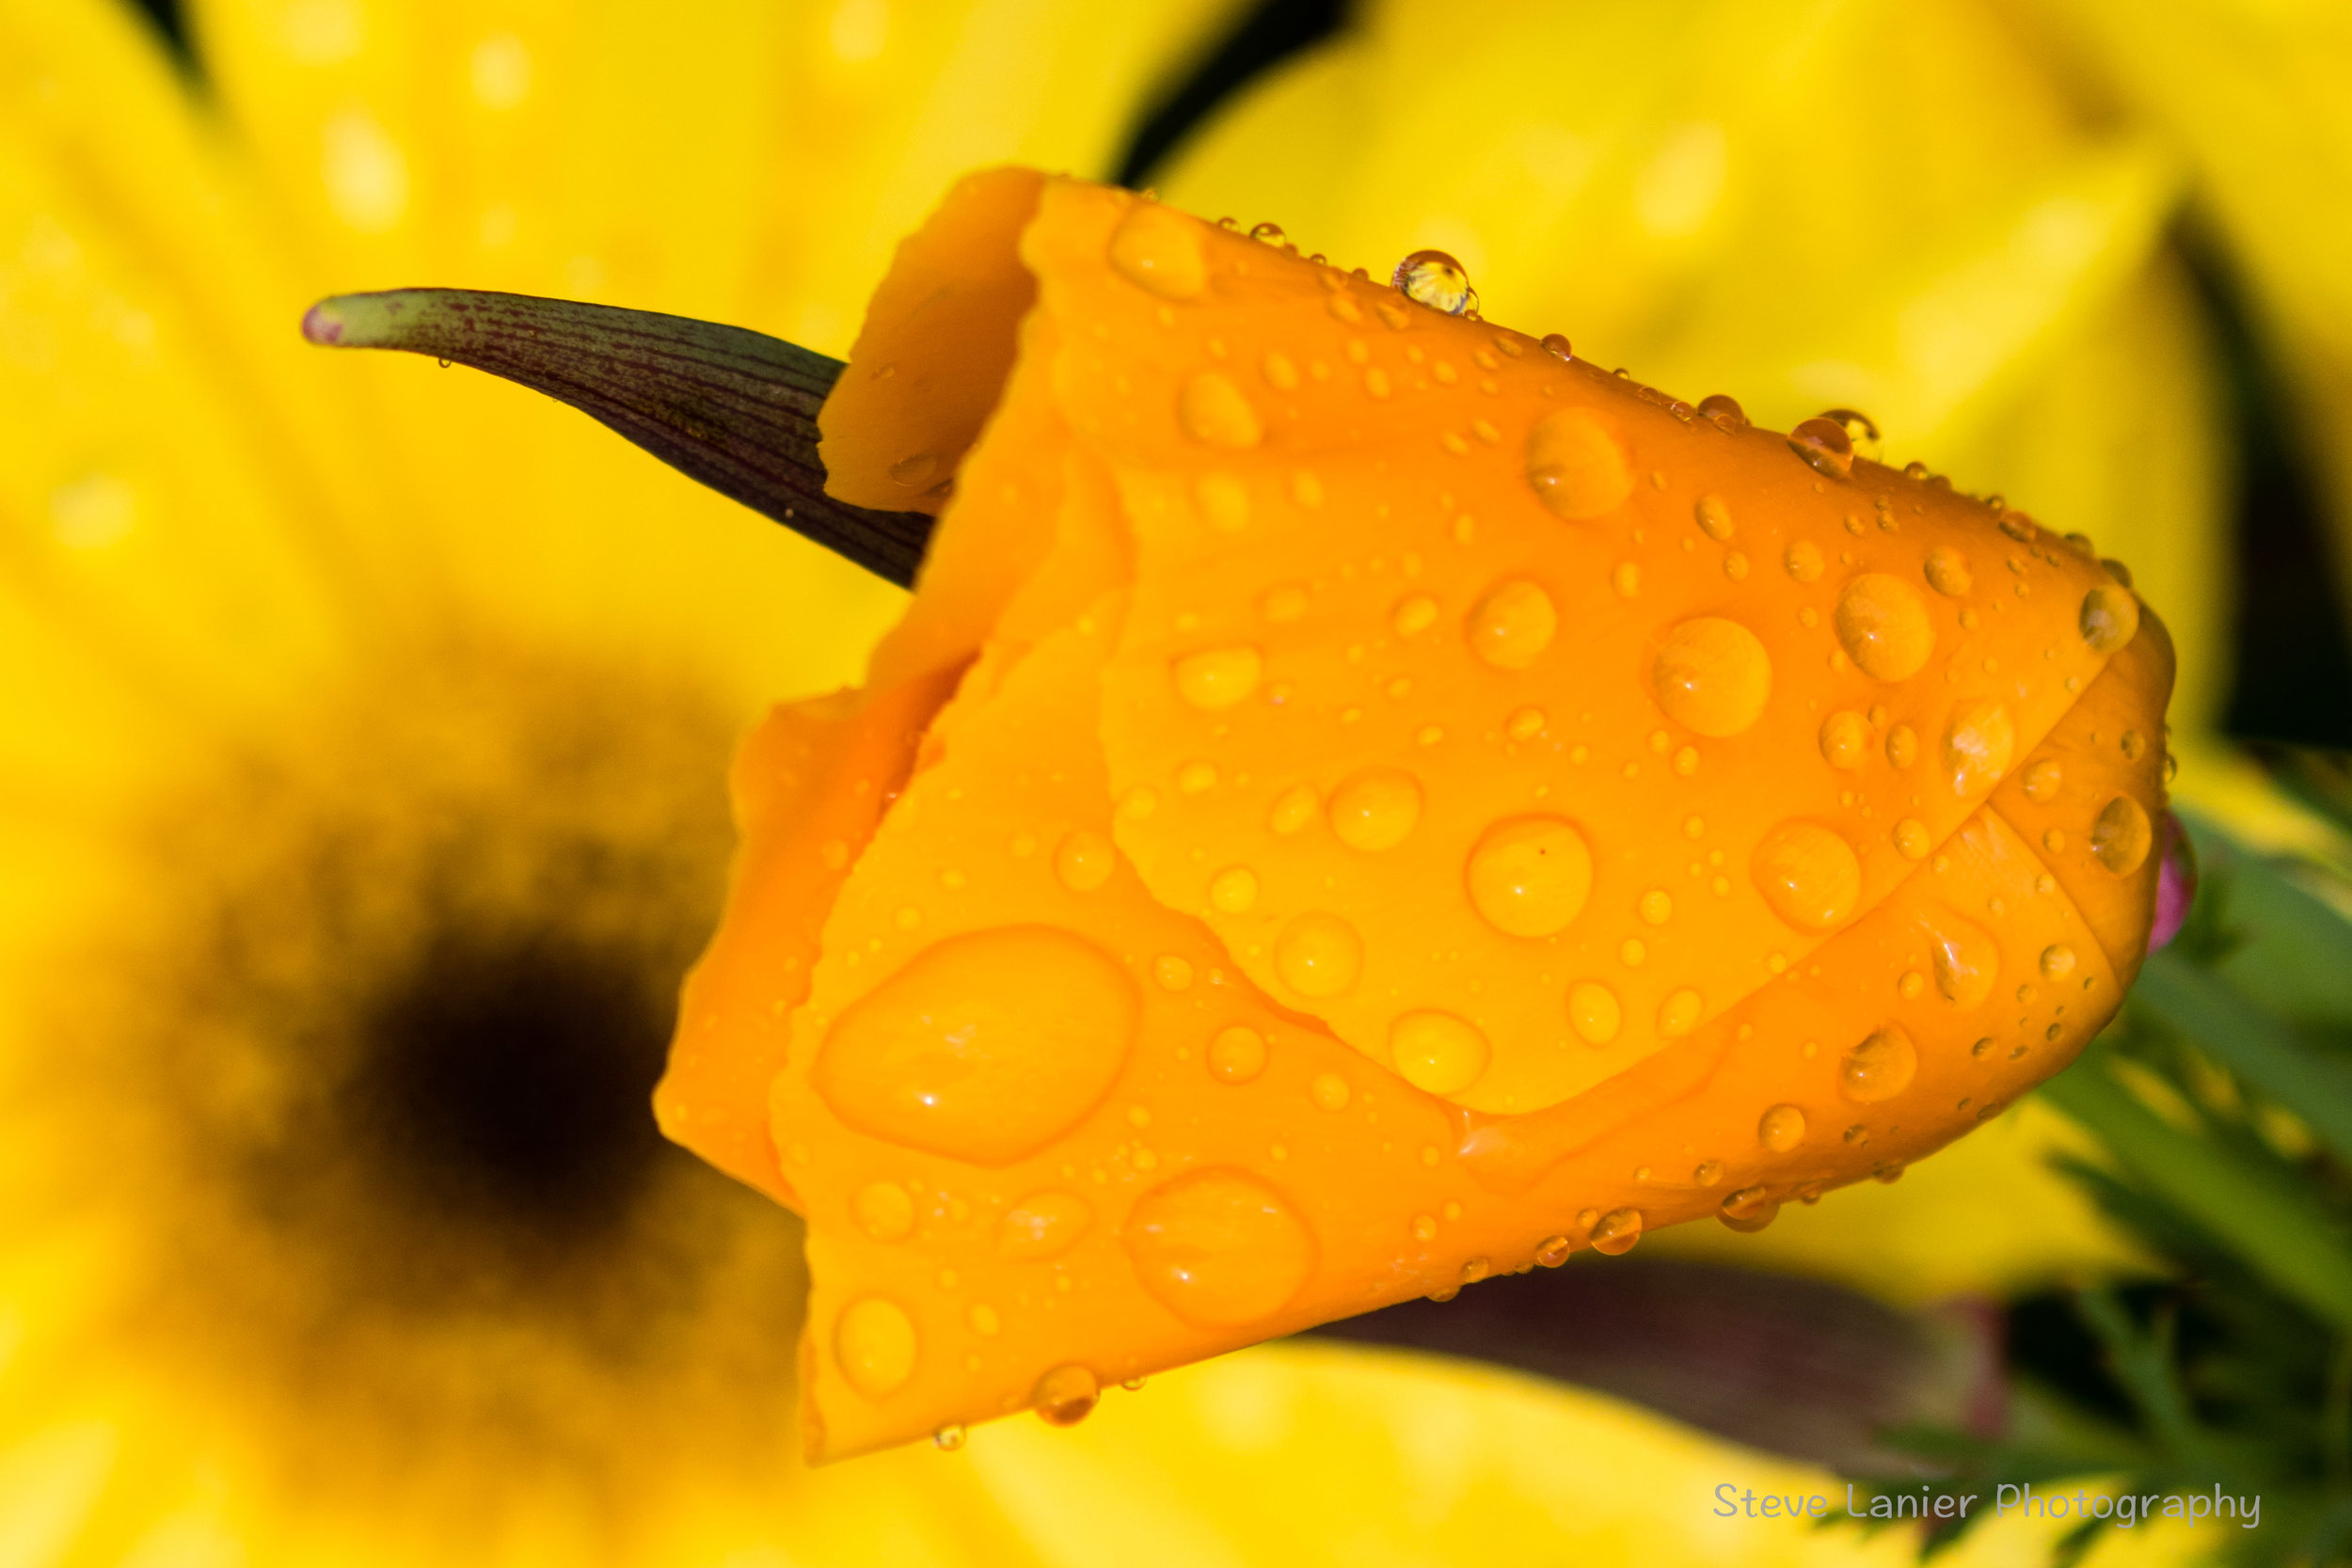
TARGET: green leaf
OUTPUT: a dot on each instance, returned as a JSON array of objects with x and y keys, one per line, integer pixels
[{"x": 2243, "y": 1039}]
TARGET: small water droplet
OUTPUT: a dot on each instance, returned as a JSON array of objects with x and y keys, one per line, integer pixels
[
  {"x": 1438, "y": 1053},
  {"x": 1594, "y": 1012},
  {"x": 1980, "y": 742},
  {"x": 1159, "y": 251},
  {"x": 1879, "y": 1067},
  {"x": 883, "y": 1211},
  {"x": 1233, "y": 890},
  {"x": 1678, "y": 1013},
  {"x": 1217, "y": 678},
  {"x": 1525, "y": 724},
  {"x": 1084, "y": 860},
  {"x": 1293, "y": 811},
  {"x": 874, "y": 1345},
  {"x": 1330, "y": 1091},
  {"x": 1903, "y": 744},
  {"x": 1861, "y": 430},
  {"x": 1714, "y": 517},
  {"x": 1043, "y": 1226},
  {"x": 1781, "y": 1129},
  {"x": 2042, "y": 778},
  {"x": 1237, "y": 1054},
  {"x": 949, "y": 1437},
  {"x": 1616, "y": 1233},
  {"x": 1809, "y": 876},
  {"x": 1884, "y": 626},
  {"x": 1803, "y": 561},
  {"x": 1713, "y": 675},
  {"x": 1513, "y": 625},
  {"x": 1911, "y": 839},
  {"x": 1214, "y": 411},
  {"x": 1530, "y": 876},
  {"x": 1224, "y": 501},
  {"x": 1269, "y": 233},
  {"x": 2109, "y": 619},
  {"x": 2057, "y": 961},
  {"x": 1319, "y": 955},
  {"x": 1825, "y": 445},
  {"x": 1553, "y": 1251},
  {"x": 1376, "y": 810},
  {"x": 1066, "y": 1396},
  {"x": 1415, "y": 615},
  {"x": 1948, "y": 571},
  {"x": 2122, "y": 836},
  {"x": 1434, "y": 278},
  {"x": 1576, "y": 464}
]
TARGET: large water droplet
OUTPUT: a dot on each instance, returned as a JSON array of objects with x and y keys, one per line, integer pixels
[
  {"x": 1616, "y": 1231},
  {"x": 1529, "y": 876},
  {"x": 874, "y": 1345},
  {"x": 1713, "y": 675},
  {"x": 1213, "y": 410},
  {"x": 1438, "y": 1053},
  {"x": 2110, "y": 618},
  {"x": 1749, "y": 1209},
  {"x": 985, "y": 1047},
  {"x": 1879, "y": 1067},
  {"x": 1594, "y": 1012},
  {"x": 1578, "y": 466},
  {"x": 1724, "y": 410},
  {"x": 1513, "y": 625},
  {"x": 1825, "y": 445},
  {"x": 1158, "y": 250},
  {"x": 1809, "y": 876},
  {"x": 1066, "y": 1396},
  {"x": 1781, "y": 1129},
  {"x": 1980, "y": 742},
  {"x": 1556, "y": 344},
  {"x": 1319, "y": 955},
  {"x": 883, "y": 1211},
  {"x": 1217, "y": 678},
  {"x": 1376, "y": 810},
  {"x": 1883, "y": 627},
  {"x": 1219, "y": 1248},
  {"x": 2122, "y": 836},
  {"x": 1043, "y": 1226},
  {"x": 1434, "y": 278}
]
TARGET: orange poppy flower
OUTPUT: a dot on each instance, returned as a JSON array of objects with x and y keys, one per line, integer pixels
[{"x": 1362, "y": 801}]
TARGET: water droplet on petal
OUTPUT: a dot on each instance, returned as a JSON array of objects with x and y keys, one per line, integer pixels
[
  {"x": 1270, "y": 233},
  {"x": 1041, "y": 1226},
  {"x": 1557, "y": 343},
  {"x": 1881, "y": 1067},
  {"x": 1158, "y": 250},
  {"x": 1809, "y": 876},
  {"x": 1233, "y": 890},
  {"x": 883, "y": 1211},
  {"x": 1293, "y": 809},
  {"x": 1724, "y": 410},
  {"x": 1948, "y": 571},
  {"x": 1219, "y": 1248},
  {"x": 1845, "y": 739},
  {"x": 1513, "y": 625},
  {"x": 1434, "y": 278},
  {"x": 1678, "y": 1013},
  {"x": 984, "y": 1048},
  {"x": 1781, "y": 1129},
  {"x": 1376, "y": 810},
  {"x": 1553, "y": 1251},
  {"x": 1330, "y": 1091},
  {"x": 1237, "y": 1054},
  {"x": 874, "y": 1345},
  {"x": 1749, "y": 1209},
  {"x": 1576, "y": 464},
  {"x": 1966, "y": 960},
  {"x": 1911, "y": 839},
  {"x": 1215, "y": 411},
  {"x": 914, "y": 472},
  {"x": 1861, "y": 430},
  {"x": 1825, "y": 445},
  {"x": 1217, "y": 678},
  {"x": 1803, "y": 561},
  {"x": 1980, "y": 742},
  {"x": 1084, "y": 860},
  {"x": 1414, "y": 615},
  {"x": 1614, "y": 1232},
  {"x": 1224, "y": 501},
  {"x": 2110, "y": 618},
  {"x": 2122, "y": 836},
  {"x": 1595, "y": 1013},
  {"x": 2042, "y": 778},
  {"x": 1319, "y": 955},
  {"x": 1438, "y": 1053},
  {"x": 1883, "y": 627},
  {"x": 1903, "y": 746},
  {"x": 1714, "y": 517},
  {"x": 949, "y": 1437},
  {"x": 2057, "y": 961},
  {"x": 1713, "y": 675},
  {"x": 1066, "y": 1396},
  {"x": 1530, "y": 876}
]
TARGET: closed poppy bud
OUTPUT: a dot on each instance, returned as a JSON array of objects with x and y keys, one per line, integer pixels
[{"x": 1361, "y": 802}]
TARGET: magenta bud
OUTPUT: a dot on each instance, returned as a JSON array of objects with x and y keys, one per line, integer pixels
[{"x": 2176, "y": 885}]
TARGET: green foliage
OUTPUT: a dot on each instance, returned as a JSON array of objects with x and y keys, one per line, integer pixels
[{"x": 2221, "y": 1099}]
